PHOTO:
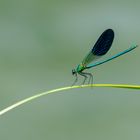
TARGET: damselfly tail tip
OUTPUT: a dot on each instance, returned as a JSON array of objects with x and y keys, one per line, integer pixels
[{"x": 134, "y": 46}]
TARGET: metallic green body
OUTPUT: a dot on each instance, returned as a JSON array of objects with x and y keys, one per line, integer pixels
[
  {"x": 90, "y": 57},
  {"x": 80, "y": 68}
]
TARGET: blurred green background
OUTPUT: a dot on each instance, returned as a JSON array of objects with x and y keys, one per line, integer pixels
[{"x": 40, "y": 43}]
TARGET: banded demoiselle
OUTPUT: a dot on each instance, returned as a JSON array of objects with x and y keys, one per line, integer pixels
[{"x": 100, "y": 48}]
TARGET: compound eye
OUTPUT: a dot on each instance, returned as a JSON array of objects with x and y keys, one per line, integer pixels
[{"x": 73, "y": 72}]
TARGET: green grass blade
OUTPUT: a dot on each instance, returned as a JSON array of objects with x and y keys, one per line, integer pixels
[{"x": 17, "y": 104}]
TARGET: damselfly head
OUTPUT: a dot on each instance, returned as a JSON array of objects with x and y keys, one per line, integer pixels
[{"x": 73, "y": 72}]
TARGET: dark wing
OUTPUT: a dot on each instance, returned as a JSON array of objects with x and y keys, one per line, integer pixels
[
  {"x": 101, "y": 47},
  {"x": 104, "y": 43}
]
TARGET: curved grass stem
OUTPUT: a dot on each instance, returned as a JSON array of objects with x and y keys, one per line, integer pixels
[{"x": 7, "y": 109}]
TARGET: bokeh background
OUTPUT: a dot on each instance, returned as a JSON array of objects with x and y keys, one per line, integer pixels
[{"x": 41, "y": 41}]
